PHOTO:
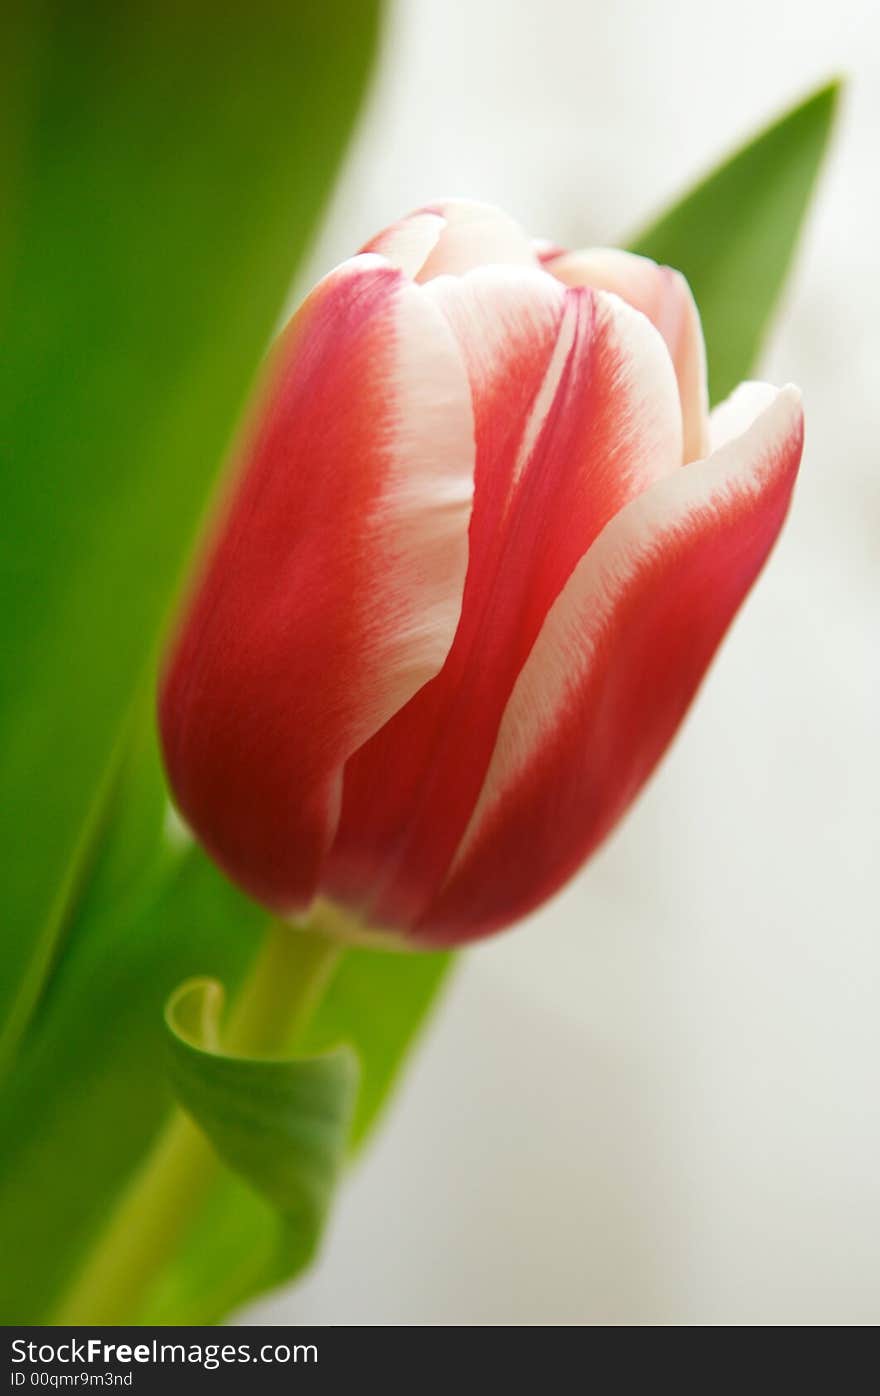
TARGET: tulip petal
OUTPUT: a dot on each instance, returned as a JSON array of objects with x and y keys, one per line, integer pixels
[
  {"x": 476, "y": 235},
  {"x": 736, "y": 413},
  {"x": 453, "y": 237},
  {"x": 616, "y": 665},
  {"x": 576, "y": 412},
  {"x": 665, "y": 297},
  {"x": 333, "y": 588},
  {"x": 408, "y": 243},
  {"x": 546, "y": 251}
]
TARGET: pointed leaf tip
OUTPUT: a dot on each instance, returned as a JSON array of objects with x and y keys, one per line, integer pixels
[{"x": 735, "y": 233}]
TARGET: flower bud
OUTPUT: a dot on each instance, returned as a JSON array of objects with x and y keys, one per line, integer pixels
[{"x": 483, "y": 541}]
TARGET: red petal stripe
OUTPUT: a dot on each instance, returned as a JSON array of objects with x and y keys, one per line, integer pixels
[
  {"x": 576, "y": 412},
  {"x": 615, "y": 667},
  {"x": 333, "y": 588}
]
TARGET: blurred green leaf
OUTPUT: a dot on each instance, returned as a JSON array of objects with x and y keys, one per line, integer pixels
[
  {"x": 163, "y": 167},
  {"x": 734, "y": 235},
  {"x": 90, "y": 1091}
]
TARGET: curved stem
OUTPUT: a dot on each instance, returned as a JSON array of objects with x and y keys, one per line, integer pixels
[{"x": 285, "y": 986}]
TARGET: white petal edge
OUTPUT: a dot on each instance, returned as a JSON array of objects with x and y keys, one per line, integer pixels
[
  {"x": 492, "y": 308},
  {"x": 563, "y": 651},
  {"x": 475, "y": 235},
  {"x": 737, "y": 412},
  {"x": 493, "y": 311},
  {"x": 421, "y": 524},
  {"x": 408, "y": 243},
  {"x": 664, "y": 295}
]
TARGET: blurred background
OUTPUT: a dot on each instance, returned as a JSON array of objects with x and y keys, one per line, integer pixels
[{"x": 657, "y": 1101}]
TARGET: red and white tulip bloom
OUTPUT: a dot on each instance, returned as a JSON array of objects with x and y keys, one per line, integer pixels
[{"x": 484, "y": 541}]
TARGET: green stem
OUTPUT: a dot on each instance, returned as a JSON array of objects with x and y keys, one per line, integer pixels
[
  {"x": 285, "y": 986},
  {"x": 273, "y": 1009}
]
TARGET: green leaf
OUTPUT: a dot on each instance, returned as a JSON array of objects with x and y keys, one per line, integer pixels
[
  {"x": 90, "y": 1090},
  {"x": 163, "y": 167},
  {"x": 281, "y": 1126},
  {"x": 156, "y": 912},
  {"x": 378, "y": 1001},
  {"x": 734, "y": 235}
]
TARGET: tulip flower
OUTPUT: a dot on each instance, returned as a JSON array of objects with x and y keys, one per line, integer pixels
[{"x": 483, "y": 541}]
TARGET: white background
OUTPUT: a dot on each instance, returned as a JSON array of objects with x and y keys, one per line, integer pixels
[{"x": 657, "y": 1101}]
